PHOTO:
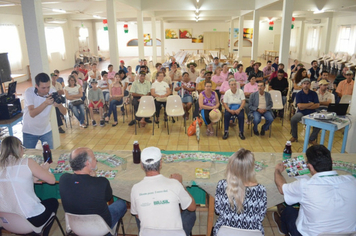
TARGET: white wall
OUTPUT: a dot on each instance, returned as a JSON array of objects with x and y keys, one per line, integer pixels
[{"x": 266, "y": 39}]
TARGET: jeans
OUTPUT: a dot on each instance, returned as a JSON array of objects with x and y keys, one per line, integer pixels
[
  {"x": 106, "y": 95},
  {"x": 288, "y": 218},
  {"x": 240, "y": 118},
  {"x": 112, "y": 108},
  {"x": 257, "y": 119},
  {"x": 158, "y": 107},
  {"x": 117, "y": 211},
  {"x": 30, "y": 140},
  {"x": 78, "y": 112},
  {"x": 294, "y": 125},
  {"x": 188, "y": 221}
]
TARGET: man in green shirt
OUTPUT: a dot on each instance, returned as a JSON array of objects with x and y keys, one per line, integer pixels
[{"x": 139, "y": 88}]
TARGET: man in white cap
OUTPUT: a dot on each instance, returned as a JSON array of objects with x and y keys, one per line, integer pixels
[
  {"x": 155, "y": 200},
  {"x": 325, "y": 97},
  {"x": 307, "y": 102}
]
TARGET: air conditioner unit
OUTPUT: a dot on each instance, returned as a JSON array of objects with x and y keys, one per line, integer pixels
[{"x": 51, "y": 20}]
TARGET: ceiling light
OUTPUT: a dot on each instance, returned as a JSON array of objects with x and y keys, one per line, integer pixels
[
  {"x": 318, "y": 11},
  {"x": 196, "y": 17},
  {"x": 8, "y": 5},
  {"x": 59, "y": 10},
  {"x": 197, "y": 10},
  {"x": 197, "y": 1},
  {"x": 96, "y": 16}
]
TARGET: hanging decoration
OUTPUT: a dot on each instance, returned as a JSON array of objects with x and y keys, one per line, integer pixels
[
  {"x": 105, "y": 22},
  {"x": 293, "y": 19},
  {"x": 126, "y": 28},
  {"x": 271, "y": 24}
]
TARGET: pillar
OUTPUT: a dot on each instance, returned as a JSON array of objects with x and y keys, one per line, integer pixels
[
  {"x": 231, "y": 36},
  {"x": 328, "y": 34},
  {"x": 286, "y": 31},
  {"x": 241, "y": 37},
  {"x": 256, "y": 29},
  {"x": 141, "y": 50},
  {"x": 37, "y": 50},
  {"x": 301, "y": 40},
  {"x": 154, "y": 41},
  {"x": 112, "y": 30},
  {"x": 350, "y": 146},
  {"x": 163, "y": 57},
  {"x": 35, "y": 37}
]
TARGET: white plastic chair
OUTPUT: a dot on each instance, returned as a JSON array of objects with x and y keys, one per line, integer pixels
[
  {"x": 146, "y": 109},
  {"x": 18, "y": 224},
  {"x": 89, "y": 225},
  {"x": 230, "y": 231},
  {"x": 277, "y": 101},
  {"x": 162, "y": 232},
  {"x": 346, "y": 99},
  {"x": 339, "y": 234},
  {"x": 174, "y": 107}
]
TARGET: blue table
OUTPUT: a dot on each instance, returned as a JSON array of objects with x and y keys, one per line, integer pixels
[
  {"x": 331, "y": 126},
  {"x": 11, "y": 122}
]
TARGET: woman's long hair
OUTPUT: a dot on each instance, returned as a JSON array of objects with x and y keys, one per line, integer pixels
[
  {"x": 10, "y": 146},
  {"x": 299, "y": 76},
  {"x": 240, "y": 170}
]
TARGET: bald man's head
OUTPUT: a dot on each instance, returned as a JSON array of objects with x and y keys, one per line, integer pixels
[{"x": 79, "y": 157}]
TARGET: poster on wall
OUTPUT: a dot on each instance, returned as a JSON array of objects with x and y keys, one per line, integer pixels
[
  {"x": 236, "y": 32},
  {"x": 185, "y": 33},
  {"x": 248, "y": 33},
  {"x": 171, "y": 33},
  {"x": 199, "y": 39}
]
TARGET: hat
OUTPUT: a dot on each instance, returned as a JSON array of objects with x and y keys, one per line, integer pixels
[
  {"x": 93, "y": 81},
  {"x": 150, "y": 153},
  {"x": 122, "y": 61},
  {"x": 349, "y": 72},
  {"x": 53, "y": 74},
  {"x": 257, "y": 63},
  {"x": 215, "y": 115},
  {"x": 216, "y": 58},
  {"x": 305, "y": 80},
  {"x": 323, "y": 82},
  {"x": 192, "y": 63},
  {"x": 207, "y": 72},
  {"x": 142, "y": 73},
  {"x": 300, "y": 64}
]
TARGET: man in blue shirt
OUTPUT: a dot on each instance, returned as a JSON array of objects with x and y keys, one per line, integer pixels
[
  {"x": 307, "y": 101},
  {"x": 314, "y": 71}
]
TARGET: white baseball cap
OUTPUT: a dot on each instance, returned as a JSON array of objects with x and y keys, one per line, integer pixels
[{"x": 150, "y": 153}]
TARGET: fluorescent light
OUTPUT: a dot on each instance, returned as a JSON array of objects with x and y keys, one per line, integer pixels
[
  {"x": 59, "y": 10},
  {"x": 197, "y": 17},
  {"x": 197, "y": 10},
  {"x": 8, "y": 5},
  {"x": 96, "y": 16},
  {"x": 197, "y": 1},
  {"x": 318, "y": 11}
]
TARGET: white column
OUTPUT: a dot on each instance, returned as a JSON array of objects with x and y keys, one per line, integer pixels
[
  {"x": 162, "y": 42},
  {"x": 37, "y": 50},
  {"x": 286, "y": 31},
  {"x": 141, "y": 50},
  {"x": 154, "y": 41},
  {"x": 328, "y": 34},
  {"x": 112, "y": 30},
  {"x": 241, "y": 37},
  {"x": 231, "y": 35},
  {"x": 350, "y": 146},
  {"x": 256, "y": 29},
  {"x": 35, "y": 37},
  {"x": 301, "y": 40}
]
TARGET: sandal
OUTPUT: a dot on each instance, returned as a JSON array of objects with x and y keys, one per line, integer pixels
[{"x": 115, "y": 124}]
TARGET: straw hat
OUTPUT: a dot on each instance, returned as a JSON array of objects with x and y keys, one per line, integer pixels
[{"x": 215, "y": 115}]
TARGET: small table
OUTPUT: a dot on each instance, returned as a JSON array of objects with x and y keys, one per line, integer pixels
[
  {"x": 332, "y": 126},
  {"x": 11, "y": 122}
]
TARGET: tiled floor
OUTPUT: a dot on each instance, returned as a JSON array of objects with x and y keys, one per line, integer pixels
[{"x": 122, "y": 137}]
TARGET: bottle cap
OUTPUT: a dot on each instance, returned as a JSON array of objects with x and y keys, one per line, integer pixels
[
  {"x": 44, "y": 143},
  {"x": 135, "y": 142},
  {"x": 289, "y": 142}
]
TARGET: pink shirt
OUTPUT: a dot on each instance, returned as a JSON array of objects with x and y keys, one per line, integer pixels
[
  {"x": 241, "y": 77},
  {"x": 218, "y": 79},
  {"x": 224, "y": 75},
  {"x": 250, "y": 88},
  {"x": 224, "y": 87},
  {"x": 111, "y": 74}
]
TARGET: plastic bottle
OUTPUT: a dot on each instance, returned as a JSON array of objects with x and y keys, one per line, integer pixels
[
  {"x": 136, "y": 153},
  {"x": 47, "y": 154},
  {"x": 287, "y": 153}
]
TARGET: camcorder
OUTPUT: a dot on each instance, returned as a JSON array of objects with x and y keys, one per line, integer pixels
[{"x": 57, "y": 98}]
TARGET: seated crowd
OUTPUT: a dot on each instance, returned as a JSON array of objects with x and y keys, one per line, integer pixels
[{"x": 325, "y": 200}]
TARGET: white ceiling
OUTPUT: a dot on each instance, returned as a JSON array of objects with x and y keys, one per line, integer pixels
[{"x": 184, "y": 10}]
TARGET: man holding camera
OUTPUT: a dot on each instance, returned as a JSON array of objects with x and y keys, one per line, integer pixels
[{"x": 36, "y": 118}]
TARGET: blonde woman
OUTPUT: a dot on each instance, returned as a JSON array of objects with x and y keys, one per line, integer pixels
[{"x": 240, "y": 201}]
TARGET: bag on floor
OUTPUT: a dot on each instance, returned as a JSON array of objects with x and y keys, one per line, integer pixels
[{"x": 192, "y": 127}]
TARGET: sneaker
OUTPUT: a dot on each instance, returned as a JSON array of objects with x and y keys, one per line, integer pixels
[
  {"x": 94, "y": 123},
  {"x": 83, "y": 126},
  {"x": 132, "y": 123},
  {"x": 256, "y": 132},
  {"x": 242, "y": 136},
  {"x": 276, "y": 218},
  {"x": 262, "y": 132},
  {"x": 60, "y": 130},
  {"x": 226, "y": 135},
  {"x": 102, "y": 122}
]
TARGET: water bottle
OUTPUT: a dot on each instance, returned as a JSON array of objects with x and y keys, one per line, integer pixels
[
  {"x": 47, "y": 154},
  {"x": 136, "y": 153},
  {"x": 287, "y": 153}
]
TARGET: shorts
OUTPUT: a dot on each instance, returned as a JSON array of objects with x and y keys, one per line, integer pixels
[
  {"x": 187, "y": 98},
  {"x": 99, "y": 105}
]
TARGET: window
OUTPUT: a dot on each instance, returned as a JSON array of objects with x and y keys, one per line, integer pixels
[
  {"x": 103, "y": 39},
  {"x": 293, "y": 39},
  {"x": 83, "y": 33},
  {"x": 55, "y": 41},
  {"x": 11, "y": 44},
  {"x": 346, "y": 39},
  {"x": 312, "y": 47}
]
